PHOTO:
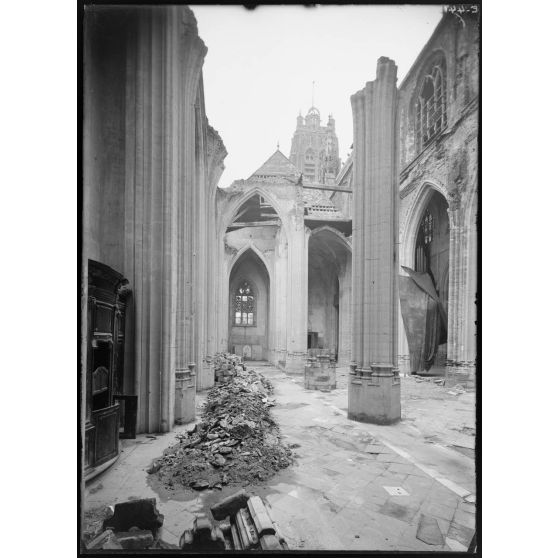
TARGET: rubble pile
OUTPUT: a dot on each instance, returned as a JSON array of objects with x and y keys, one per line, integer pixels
[
  {"x": 236, "y": 442},
  {"x": 226, "y": 366}
]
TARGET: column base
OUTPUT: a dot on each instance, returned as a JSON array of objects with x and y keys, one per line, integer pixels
[
  {"x": 374, "y": 395},
  {"x": 295, "y": 363},
  {"x": 462, "y": 373},
  {"x": 184, "y": 396},
  {"x": 320, "y": 374}
]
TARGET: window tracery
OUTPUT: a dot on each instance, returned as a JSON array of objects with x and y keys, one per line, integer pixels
[
  {"x": 430, "y": 114},
  {"x": 244, "y": 305}
]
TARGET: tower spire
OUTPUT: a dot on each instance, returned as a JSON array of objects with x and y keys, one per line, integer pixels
[{"x": 313, "y": 83}]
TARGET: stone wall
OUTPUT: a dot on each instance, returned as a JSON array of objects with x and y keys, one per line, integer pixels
[{"x": 447, "y": 165}]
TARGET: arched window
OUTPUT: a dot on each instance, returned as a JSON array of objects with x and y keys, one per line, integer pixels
[
  {"x": 244, "y": 305},
  {"x": 424, "y": 239},
  {"x": 309, "y": 164},
  {"x": 430, "y": 114}
]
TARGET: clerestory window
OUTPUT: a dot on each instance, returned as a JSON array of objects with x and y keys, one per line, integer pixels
[
  {"x": 244, "y": 305},
  {"x": 431, "y": 104}
]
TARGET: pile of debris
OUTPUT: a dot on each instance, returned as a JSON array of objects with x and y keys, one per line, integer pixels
[
  {"x": 236, "y": 442},
  {"x": 227, "y": 366},
  {"x": 132, "y": 525}
]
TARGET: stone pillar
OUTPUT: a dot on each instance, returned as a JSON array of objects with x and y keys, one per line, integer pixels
[
  {"x": 344, "y": 352},
  {"x": 297, "y": 293},
  {"x": 278, "y": 325},
  {"x": 165, "y": 57},
  {"x": 185, "y": 395},
  {"x": 215, "y": 153},
  {"x": 374, "y": 385},
  {"x": 462, "y": 290}
]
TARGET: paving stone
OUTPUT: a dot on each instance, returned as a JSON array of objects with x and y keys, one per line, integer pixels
[
  {"x": 402, "y": 468},
  {"x": 438, "y": 510},
  {"x": 456, "y": 546},
  {"x": 396, "y": 491},
  {"x": 465, "y": 506},
  {"x": 398, "y": 511},
  {"x": 377, "y": 449},
  {"x": 428, "y": 531},
  {"x": 464, "y": 518},
  {"x": 461, "y": 534}
]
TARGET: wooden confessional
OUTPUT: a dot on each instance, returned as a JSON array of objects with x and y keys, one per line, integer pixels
[{"x": 106, "y": 312}]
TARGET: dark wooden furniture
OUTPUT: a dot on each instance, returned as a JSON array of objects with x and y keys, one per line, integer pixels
[{"x": 106, "y": 312}]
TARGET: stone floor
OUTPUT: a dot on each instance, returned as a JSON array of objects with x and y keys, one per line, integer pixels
[{"x": 354, "y": 486}]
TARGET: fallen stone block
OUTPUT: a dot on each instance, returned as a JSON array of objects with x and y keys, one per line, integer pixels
[
  {"x": 135, "y": 539},
  {"x": 203, "y": 536},
  {"x": 428, "y": 531},
  {"x": 187, "y": 538},
  {"x": 155, "y": 466},
  {"x": 270, "y": 542},
  {"x": 230, "y": 505},
  {"x": 200, "y": 485},
  {"x": 191, "y": 428},
  {"x": 105, "y": 540},
  {"x": 261, "y": 518},
  {"x": 142, "y": 514},
  {"x": 237, "y": 543},
  {"x": 246, "y": 528},
  {"x": 202, "y": 529}
]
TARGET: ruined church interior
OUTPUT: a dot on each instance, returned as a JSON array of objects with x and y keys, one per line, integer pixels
[{"x": 287, "y": 362}]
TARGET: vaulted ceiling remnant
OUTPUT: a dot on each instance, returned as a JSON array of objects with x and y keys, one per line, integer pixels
[{"x": 254, "y": 212}]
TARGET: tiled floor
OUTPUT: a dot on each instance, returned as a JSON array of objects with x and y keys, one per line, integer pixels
[{"x": 333, "y": 497}]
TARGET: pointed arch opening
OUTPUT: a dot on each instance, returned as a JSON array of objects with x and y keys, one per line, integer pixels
[
  {"x": 424, "y": 289},
  {"x": 249, "y": 307},
  {"x": 329, "y": 294}
]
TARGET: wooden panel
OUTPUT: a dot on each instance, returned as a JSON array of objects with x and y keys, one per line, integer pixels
[
  {"x": 89, "y": 443},
  {"x": 106, "y": 433},
  {"x": 103, "y": 318}
]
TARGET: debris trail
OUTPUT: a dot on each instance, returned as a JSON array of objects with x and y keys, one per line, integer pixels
[{"x": 236, "y": 442}]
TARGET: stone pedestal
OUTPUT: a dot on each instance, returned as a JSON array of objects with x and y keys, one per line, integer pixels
[
  {"x": 295, "y": 362},
  {"x": 319, "y": 373},
  {"x": 374, "y": 394},
  {"x": 462, "y": 373},
  {"x": 185, "y": 395}
]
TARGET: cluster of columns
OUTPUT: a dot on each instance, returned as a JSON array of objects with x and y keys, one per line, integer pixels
[
  {"x": 374, "y": 386},
  {"x": 461, "y": 357},
  {"x": 157, "y": 190}
]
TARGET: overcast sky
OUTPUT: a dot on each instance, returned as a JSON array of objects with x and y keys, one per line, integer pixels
[{"x": 260, "y": 65}]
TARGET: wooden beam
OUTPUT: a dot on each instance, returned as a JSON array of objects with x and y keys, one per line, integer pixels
[
  {"x": 274, "y": 222},
  {"x": 331, "y": 189}
]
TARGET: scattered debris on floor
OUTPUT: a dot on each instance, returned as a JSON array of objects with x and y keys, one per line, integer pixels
[
  {"x": 133, "y": 525},
  {"x": 236, "y": 442},
  {"x": 226, "y": 366},
  {"x": 245, "y": 524}
]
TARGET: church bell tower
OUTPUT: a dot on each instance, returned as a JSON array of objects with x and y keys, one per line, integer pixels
[{"x": 315, "y": 148}]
